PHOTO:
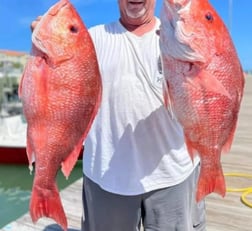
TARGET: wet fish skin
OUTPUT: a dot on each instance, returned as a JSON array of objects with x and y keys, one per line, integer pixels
[
  {"x": 204, "y": 84},
  {"x": 61, "y": 91}
]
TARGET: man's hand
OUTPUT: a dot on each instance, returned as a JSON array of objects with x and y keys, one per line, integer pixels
[{"x": 35, "y": 22}]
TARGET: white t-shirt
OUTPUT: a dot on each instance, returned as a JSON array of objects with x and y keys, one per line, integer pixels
[{"x": 134, "y": 146}]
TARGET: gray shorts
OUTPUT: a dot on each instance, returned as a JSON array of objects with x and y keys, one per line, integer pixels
[{"x": 169, "y": 209}]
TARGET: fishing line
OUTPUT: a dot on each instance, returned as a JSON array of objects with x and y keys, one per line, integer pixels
[{"x": 245, "y": 191}]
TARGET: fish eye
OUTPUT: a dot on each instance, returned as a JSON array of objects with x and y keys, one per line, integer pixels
[
  {"x": 73, "y": 29},
  {"x": 209, "y": 17}
]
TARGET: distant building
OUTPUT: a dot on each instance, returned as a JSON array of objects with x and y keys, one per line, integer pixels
[
  {"x": 12, "y": 63},
  {"x": 13, "y": 56}
]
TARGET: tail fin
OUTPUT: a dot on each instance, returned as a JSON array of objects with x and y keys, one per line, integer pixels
[
  {"x": 47, "y": 203},
  {"x": 210, "y": 181}
]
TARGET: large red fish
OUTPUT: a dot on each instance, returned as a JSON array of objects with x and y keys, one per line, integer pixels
[
  {"x": 204, "y": 84},
  {"x": 60, "y": 90}
]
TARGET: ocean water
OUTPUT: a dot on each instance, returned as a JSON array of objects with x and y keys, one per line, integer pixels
[{"x": 15, "y": 189}]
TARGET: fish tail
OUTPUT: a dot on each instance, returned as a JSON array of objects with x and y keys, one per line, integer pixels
[
  {"x": 47, "y": 203},
  {"x": 210, "y": 181}
]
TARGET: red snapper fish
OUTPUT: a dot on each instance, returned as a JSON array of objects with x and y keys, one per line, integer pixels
[
  {"x": 204, "y": 84},
  {"x": 61, "y": 92}
]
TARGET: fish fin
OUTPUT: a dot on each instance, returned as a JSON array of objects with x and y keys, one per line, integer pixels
[
  {"x": 167, "y": 98},
  {"x": 166, "y": 94},
  {"x": 21, "y": 84},
  {"x": 227, "y": 146},
  {"x": 191, "y": 150},
  {"x": 210, "y": 181},
  {"x": 210, "y": 83},
  {"x": 30, "y": 155},
  {"x": 47, "y": 203},
  {"x": 68, "y": 164}
]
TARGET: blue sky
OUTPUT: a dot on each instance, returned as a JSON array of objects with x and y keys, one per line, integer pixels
[{"x": 16, "y": 16}]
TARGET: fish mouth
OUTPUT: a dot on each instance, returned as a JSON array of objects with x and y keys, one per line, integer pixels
[
  {"x": 38, "y": 43},
  {"x": 57, "y": 7},
  {"x": 174, "y": 10},
  {"x": 40, "y": 38},
  {"x": 177, "y": 7},
  {"x": 178, "y": 4},
  {"x": 173, "y": 25},
  {"x": 44, "y": 38}
]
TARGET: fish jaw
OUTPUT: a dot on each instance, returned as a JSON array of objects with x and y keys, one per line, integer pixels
[
  {"x": 176, "y": 40},
  {"x": 37, "y": 37},
  {"x": 50, "y": 37}
]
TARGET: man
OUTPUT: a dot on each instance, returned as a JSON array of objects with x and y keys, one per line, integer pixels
[
  {"x": 136, "y": 167},
  {"x": 135, "y": 164}
]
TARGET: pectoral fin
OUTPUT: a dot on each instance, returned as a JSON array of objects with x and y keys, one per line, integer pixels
[
  {"x": 167, "y": 98},
  {"x": 210, "y": 83}
]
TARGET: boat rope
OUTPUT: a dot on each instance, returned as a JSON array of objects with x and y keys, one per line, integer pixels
[{"x": 245, "y": 191}]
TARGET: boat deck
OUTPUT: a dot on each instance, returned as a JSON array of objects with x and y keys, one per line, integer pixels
[{"x": 228, "y": 214}]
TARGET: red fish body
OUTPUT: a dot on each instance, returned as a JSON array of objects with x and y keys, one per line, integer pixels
[
  {"x": 60, "y": 91},
  {"x": 204, "y": 84}
]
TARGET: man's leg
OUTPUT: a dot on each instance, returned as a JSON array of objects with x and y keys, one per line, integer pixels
[
  {"x": 104, "y": 211},
  {"x": 174, "y": 208}
]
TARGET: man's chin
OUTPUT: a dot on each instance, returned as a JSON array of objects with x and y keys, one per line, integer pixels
[{"x": 137, "y": 14}]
